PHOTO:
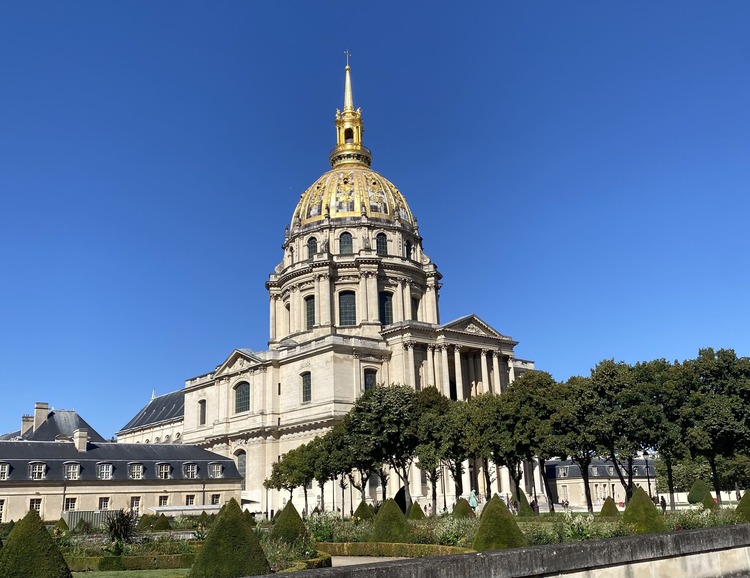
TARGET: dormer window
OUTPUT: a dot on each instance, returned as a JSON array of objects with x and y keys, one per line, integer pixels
[
  {"x": 4, "y": 471},
  {"x": 163, "y": 471},
  {"x": 37, "y": 470},
  {"x": 72, "y": 470},
  {"x": 190, "y": 471},
  {"x": 104, "y": 471},
  {"x": 215, "y": 470},
  {"x": 135, "y": 471}
]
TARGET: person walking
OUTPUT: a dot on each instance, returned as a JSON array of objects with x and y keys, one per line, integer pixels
[{"x": 473, "y": 500}]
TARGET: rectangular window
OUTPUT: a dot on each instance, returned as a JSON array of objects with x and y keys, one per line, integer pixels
[
  {"x": 104, "y": 471},
  {"x": 163, "y": 500},
  {"x": 594, "y": 470},
  {"x": 2, "y": 509},
  {"x": 202, "y": 412},
  {"x": 611, "y": 470},
  {"x": 347, "y": 308},
  {"x": 71, "y": 471},
  {"x": 163, "y": 471},
  {"x": 135, "y": 505},
  {"x": 35, "y": 504},
  {"x": 190, "y": 471},
  {"x": 414, "y": 308},
  {"x": 306, "y": 387},
  {"x": 309, "y": 312},
  {"x": 136, "y": 471},
  {"x": 385, "y": 306},
  {"x": 70, "y": 504},
  {"x": 215, "y": 499},
  {"x": 190, "y": 500},
  {"x": 563, "y": 471},
  {"x": 104, "y": 503},
  {"x": 38, "y": 471},
  {"x": 214, "y": 470},
  {"x": 4, "y": 471}
]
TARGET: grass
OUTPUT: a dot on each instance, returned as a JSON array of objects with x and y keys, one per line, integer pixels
[{"x": 180, "y": 573}]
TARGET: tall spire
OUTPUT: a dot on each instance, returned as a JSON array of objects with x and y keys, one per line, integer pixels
[{"x": 349, "y": 128}]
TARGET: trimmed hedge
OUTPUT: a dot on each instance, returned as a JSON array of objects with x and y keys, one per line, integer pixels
[
  {"x": 162, "y": 524},
  {"x": 415, "y": 512},
  {"x": 462, "y": 509},
  {"x": 145, "y": 523},
  {"x": 390, "y": 549},
  {"x": 609, "y": 509},
  {"x": 249, "y": 518},
  {"x": 31, "y": 551},
  {"x": 62, "y": 525},
  {"x": 231, "y": 548},
  {"x": 289, "y": 526},
  {"x": 642, "y": 514},
  {"x": 524, "y": 508},
  {"x": 498, "y": 529},
  {"x": 743, "y": 508},
  {"x": 390, "y": 524},
  {"x": 150, "y": 562},
  {"x": 698, "y": 491},
  {"x": 709, "y": 503},
  {"x": 363, "y": 511},
  {"x": 321, "y": 560}
]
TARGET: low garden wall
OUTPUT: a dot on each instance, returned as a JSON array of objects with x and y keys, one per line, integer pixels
[{"x": 703, "y": 553}]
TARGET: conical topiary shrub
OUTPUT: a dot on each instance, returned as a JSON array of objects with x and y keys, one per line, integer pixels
[
  {"x": 609, "y": 509},
  {"x": 390, "y": 524},
  {"x": 61, "y": 525},
  {"x": 698, "y": 491},
  {"x": 204, "y": 518},
  {"x": 289, "y": 526},
  {"x": 497, "y": 528},
  {"x": 145, "y": 523},
  {"x": 30, "y": 551},
  {"x": 363, "y": 511},
  {"x": 162, "y": 524},
  {"x": 642, "y": 514},
  {"x": 743, "y": 508},
  {"x": 462, "y": 509},
  {"x": 249, "y": 518},
  {"x": 415, "y": 512},
  {"x": 524, "y": 508},
  {"x": 709, "y": 503},
  {"x": 231, "y": 549}
]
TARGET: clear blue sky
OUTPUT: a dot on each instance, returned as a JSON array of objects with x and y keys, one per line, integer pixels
[{"x": 580, "y": 172}]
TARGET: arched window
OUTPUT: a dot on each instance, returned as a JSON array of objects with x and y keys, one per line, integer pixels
[
  {"x": 407, "y": 249},
  {"x": 381, "y": 245},
  {"x": 202, "y": 412},
  {"x": 242, "y": 397},
  {"x": 348, "y": 135},
  {"x": 415, "y": 308},
  {"x": 306, "y": 387},
  {"x": 347, "y": 308},
  {"x": 310, "y": 312},
  {"x": 312, "y": 247},
  {"x": 346, "y": 247},
  {"x": 385, "y": 307},
  {"x": 241, "y": 466},
  {"x": 371, "y": 377}
]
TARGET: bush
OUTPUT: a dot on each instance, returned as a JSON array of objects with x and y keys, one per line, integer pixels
[
  {"x": 698, "y": 491},
  {"x": 61, "y": 525},
  {"x": 743, "y": 508},
  {"x": 498, "y": 529},
  {"x": 390, "y": 524},
  {"x": 30, "y": 551},
  {"x": 415, "y": 512},
  {"x": 121, "y": 526},
  {"x": 708, "y": 502},
  {"x": 145, "y": 523},
  {"x": 83, "y": 527},
  {"x": 249, "y": 518},
  {"x": 363, "y": 511},
  {"x": 642, "y": 514},
  {"x": 162, "y": 524},
  {"x": 462, "y": 509},
  {"x": 289, "y": 526},
  {"x": 231, "y": 548},
  {"x": 609, "y": 509},
  {"x": 524, "y": 508}
]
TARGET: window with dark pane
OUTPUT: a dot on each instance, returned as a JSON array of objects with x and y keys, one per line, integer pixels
[
  {"x": 309, "y": 312},
  {"x": 407, "y": 249},
  {"x": 306, "y": 387},
  {"x": 381, "y": 244},
  {"x": 346, "y": 245},
  {"x": 371, "y": 377},
  {"x": 312, "y": 247},
  {"x": 202, "y": 412},
  {"x": 242, "y": 397},
  {"x": 385, "y": 307},
  {"x": 347, "y": 308},
  {"x": 241, "y": 465},
  {"x": 415, "y": 308}
]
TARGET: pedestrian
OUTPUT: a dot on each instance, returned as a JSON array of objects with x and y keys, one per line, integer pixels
[
  {"x": 663, "y": 505},
  {"x": 473, "y": 500},
  {"x": 429, "y": 509}
]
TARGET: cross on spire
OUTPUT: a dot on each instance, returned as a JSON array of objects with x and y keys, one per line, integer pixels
[{"x": 348, "y": 54}]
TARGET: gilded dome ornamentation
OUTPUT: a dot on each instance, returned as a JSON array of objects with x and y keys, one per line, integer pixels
[{"x": 351, "y": 189}]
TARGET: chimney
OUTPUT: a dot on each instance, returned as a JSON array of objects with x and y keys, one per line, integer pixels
[
  {"x": 81, "y": 439},
  {"x": 41, "y": 411},
  {"x": 27, "y": 424}
]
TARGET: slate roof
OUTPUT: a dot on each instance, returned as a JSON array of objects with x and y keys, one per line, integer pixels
[
  {"x": 164, "y": 408},
  {"x": 601, "y": 471},
  {"x": 62, "y": 422},
  {"x": 10, "y": 436},
  {"x": 18, "y": 454}
]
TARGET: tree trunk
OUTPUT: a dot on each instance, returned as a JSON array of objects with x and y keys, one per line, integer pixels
[
  {"x": 342, "y": 483},
  {"x": 587, "y": 489},
  {"x": 487, "y": 479},
  {"x": 383, "y": 482},
  {"x": 322, "y": 496},
  {"x": 670, "y": 481},
  {"x": 404, "y": 475},
  {"x": 434, "y": 493},
  {"x": 618, "y": 470},
  {"x": 547, "y": 489},
  {"x": 629, "y": 489},
  {"x": 715, "y": 478},
  {"x": 304, "y": 489}
]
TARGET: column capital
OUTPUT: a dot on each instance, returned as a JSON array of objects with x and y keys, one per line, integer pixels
[
  {"x": 485, "y": 350},
  {"x": 457, "y": 348},
  {"x": 409, "y": 344}
]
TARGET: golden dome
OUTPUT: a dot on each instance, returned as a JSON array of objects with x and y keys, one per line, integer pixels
[{"x": 351, "y": 188}]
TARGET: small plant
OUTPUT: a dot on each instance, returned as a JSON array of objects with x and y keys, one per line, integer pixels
[
  {"x": 289, "y": 526},
  {"x": 121, "y": 526},
  {"x": 201, "y": 532},
  {"x": 363, "y": 512},
  {"x": 162, "y": 524},
  {"x": 642, "y": 514},
  {"x": 708, "y": 503},
  {"x": 609, "y": 509},
  {"x": 577, "y": 528},
  {"x": 698, "y": 491}
]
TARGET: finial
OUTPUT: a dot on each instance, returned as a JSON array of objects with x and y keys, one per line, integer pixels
[
  {"x": 348, "y": 98},
  {"x": 348, "y": 54}
]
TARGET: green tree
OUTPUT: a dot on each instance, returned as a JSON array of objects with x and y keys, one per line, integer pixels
[
  {"x": 385, "y": 418},
  {"x": 455, "y": 449},
  {"x": 432, "y": 409}
]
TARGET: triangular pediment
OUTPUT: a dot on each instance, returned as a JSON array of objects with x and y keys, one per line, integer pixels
[
  {"x": 473, "y": 325},
  {"x": 240, "y": 359}
]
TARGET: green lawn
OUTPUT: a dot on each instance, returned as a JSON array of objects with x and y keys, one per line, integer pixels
[{"x": 135, "y": 574}]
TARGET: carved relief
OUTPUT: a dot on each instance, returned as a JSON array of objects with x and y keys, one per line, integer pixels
[{"x": 471, "y": 328}]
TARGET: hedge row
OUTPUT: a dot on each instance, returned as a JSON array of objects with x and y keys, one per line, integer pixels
[
  {"x": 322, "y": 560},
  {"x": 387, "y": 549},
  {"x": 155, "y": 562}
]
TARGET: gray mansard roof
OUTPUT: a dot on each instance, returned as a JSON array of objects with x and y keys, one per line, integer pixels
[
  {"x": 62, "y": 422},
  {"x": 162, "y": 409},
  {"x": 19, "y": 454}
]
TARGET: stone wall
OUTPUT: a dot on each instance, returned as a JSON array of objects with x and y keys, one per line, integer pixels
[{"x": 705, "y": 553}]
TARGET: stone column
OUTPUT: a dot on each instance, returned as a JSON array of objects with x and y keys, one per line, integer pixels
[
  {"x": 459, "y": 372},
  {"x": 398, "y": 302},
  {"x": 410, "y": 370},
  {"x": 511, "y": 371},
  {"x": 471, "y": 361},
  {"x": 372, "y": 295},
  {"x": 445, "y": 380},
  {"x": 273, "y": 299},
  {"x": 430, "y": 379},
  {"x": 409, "y": 314},
  {"x": 362, "y": 299},
  {"x": 293, "y": 328},
  {"x": 318, "y": 299},
  {"x": 504, "y": 481},
  {"x": 497, "y": 382},
  {"x": 486, "y": 387},
  {"x": 325, "y": 296}
]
